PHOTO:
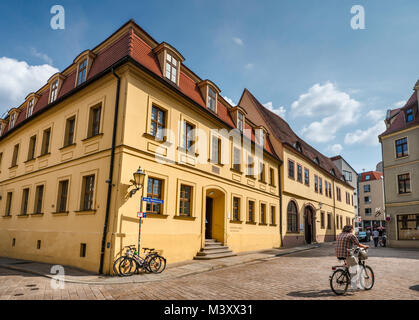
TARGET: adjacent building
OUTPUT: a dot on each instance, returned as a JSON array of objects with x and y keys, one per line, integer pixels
[
  {"x": 400, "y": 150},
  {"x": 371, "y": 200},
  {"x": 214, "y": 171}
]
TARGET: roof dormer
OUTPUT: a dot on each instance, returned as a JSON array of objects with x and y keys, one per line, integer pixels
[
  {"x": 55, "y": 83},
  {"x": 261, "y": 133},
  {"x": 170, "y": 60},
  {"x": 3, "y": 124},
  {"x": 31, "y": 101},
  {"x": 239, "y": 117},
  {"x": 13, "y": 114},
  {"x": 83, "y": 63},
  {"x": 210, "y": 93}
]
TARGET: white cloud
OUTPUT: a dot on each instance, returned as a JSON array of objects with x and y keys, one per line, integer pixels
[
  {"x": 18, "y": 79},
  {"x": 281, "y": 111},
  {"x": 376, "y": 115},
  {"x": 335, "y": 149},
  {"x": 249, "y": 66},
  {"x": 230, "y": 101},
  {"x": 368, "y": 136},
  {"x": 42, "y": 56},
  {"x": 336, "y": 108},
  {"x": 238, "y": 41},
  {"x": 400, "y": 104}
]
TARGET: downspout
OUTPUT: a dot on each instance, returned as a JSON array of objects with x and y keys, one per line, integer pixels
[
  {"x": 111, "y": 168},
  {"x": 280, "y": 204},
  {"x": 334, "y": 210}
]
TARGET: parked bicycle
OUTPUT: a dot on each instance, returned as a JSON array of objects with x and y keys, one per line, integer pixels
[{"x": 341, "y": 277}]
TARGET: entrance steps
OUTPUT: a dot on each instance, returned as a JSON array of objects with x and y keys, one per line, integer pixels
[{"x": 214, "y": 250}]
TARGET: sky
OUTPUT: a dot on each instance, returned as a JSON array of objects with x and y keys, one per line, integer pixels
[{"x": 301, "y": 59}]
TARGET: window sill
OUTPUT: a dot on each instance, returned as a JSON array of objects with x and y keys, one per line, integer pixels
[
  {"x": 401, "y": 158},
  {"x": 156, "y": 215},
  {"x": 293, "y": 233},
  {"x": 44, "y": 155},
  {"x": 85, "y": 212},
  {"x": 37, "y": 214},
  {"x": 263, "y": 224},
  {"x": 189, "y": 153},
  {"x": 151, "y": 137},
  {"x": 251, "y": 222},
  {"x": 30, "y": 160},
  {"x": 7, "y": 217},
  {"x": 13, "y": 167},
  {"x": 57, "y": 214},
  {"x": 272, "y": 185},
  {"x": 263, "y": 182},
  {"x": 236, "y": 221},
  {"x": 68, "y": 146},
  {"x": 96, "y": 136},
  {"x": 273, "y": 225},
  {"x": 250, "y": 177},
  {"x": 236, "y": 171},
  {"x": 184, "y": 218},
  {"x": 215, "y": 163},
  {"x": 23, "y": 216}
]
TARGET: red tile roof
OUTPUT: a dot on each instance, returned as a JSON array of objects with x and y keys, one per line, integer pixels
[{"x": 374, "y": 175}]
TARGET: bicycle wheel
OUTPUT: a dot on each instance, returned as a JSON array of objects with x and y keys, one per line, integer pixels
[
  {"x": 116, "y": 266},
  {"x": 147, "y": 260},
  {"x": 339, "y": 282},
  {"x": 367, "y": 278},
  {"x": 157, "y": 264},
  {"x": 127, "y": 267}
]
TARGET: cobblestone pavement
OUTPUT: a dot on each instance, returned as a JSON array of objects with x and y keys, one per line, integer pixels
[{"x": 303, "y": 275}]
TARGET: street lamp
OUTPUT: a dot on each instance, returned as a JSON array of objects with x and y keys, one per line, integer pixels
[{"x": 138, "y": 181}]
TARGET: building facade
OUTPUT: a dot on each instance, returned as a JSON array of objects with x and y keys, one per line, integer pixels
[
  {"x": 69, "y": 151},
  {"x": 400, "y": 150},
  {"x": 371, "y": 196}
]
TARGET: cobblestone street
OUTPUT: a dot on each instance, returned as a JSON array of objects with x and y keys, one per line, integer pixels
[{"x": 303, "y": 275}]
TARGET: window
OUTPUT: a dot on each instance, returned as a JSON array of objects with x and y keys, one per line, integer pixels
[
  {"x": 250, "y": 166},
  {"x": 240, "y": 121},
  {"x": 216, "y": 150},
  {"x": 263, "y": 213},
  {"x": 306, "y": 177},
  {"x": 1, "y": 159},
  {"x": 236, "y": 159},
  {"x": 25, "y": 199},
  {"x": 158, "y": 122},
  {"x": 32, "y": 147},
  {"x": 367, "y": 177},
  {"x": 367, "y": 188},
  {"x": 171, "y": 68},
  {"x": 236, "y": 209},
  {"x": 261, "y": 172},
  {"x": 12, "y": 120},
  {"x": 9, "y": 203},
  {"x": 338, "y": 195},
  {"x": 273, "y": 215},
  {"x": 320, "y": 185},
  {"x": 39, "y": 195},
  {"x": 348, "y": 175},
  {"x": 404, "y": 183},
  {"x": 330, "y": 191},
  {"x": 251, "y": 213},
  {"x": 368, "y": 211},
  {"x": 88, "y": 193},
  {"x": 30, "y": 108},
  {"x": 185, "y": 200},
  {"x": 62, "y": 196},
  {"x": 341, "y": 222},
  {"x": 212, "y": 99},
  {"x": 154, "y": 190},
  {"x": 69, "y": 131},
  {"x": 83, "y": 248},
  {"x": 297, "y": 146},
  {"x": 82, "y": 70},
  {"x": 188, "y": 137},
  {"x": 54, "y": 91},
  {"x": 15, "y": 156},
  {"x": 337, "y": 222},
  {"x": 316, "y": 160},
  {"x": 348, "y": 198},
  {"x": 38, "y": 244},
  {"x": 409, "y": 115},
  {"x": 329, "y": 221},
  {"x": 291, "y": 171},
  {"x": 322, "y": 220},
  {"x": 401, "y": 148},
  {"x": 408, "y": 227},
  {"x": 46, "y": 142},
  {"x": 352, "y": 199},
  {"x": 13, "y": 242},
  {"x": 316, "y": 183},
  {"x": 94, "y": 121},
  {"x": 326, "y": 190},
  {"x": 272, "y": 177},
  {"x": 299, "y": 173},
  {"x": 292, "y": 217},
  {"x": 262, "y": 138},
  {"x": 367, "y": 199}
]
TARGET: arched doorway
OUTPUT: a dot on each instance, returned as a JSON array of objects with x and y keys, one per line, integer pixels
[
  {"x": 214, "y": 214},
  {"x": 309, "y": 225}
]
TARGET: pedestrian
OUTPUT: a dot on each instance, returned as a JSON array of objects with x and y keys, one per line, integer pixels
[
  {"x": 375, "y": 237},
  {"x": 369, "y": 235}
]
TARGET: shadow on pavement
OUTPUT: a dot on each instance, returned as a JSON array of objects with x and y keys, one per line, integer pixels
[{"x": 314, "y": 294}]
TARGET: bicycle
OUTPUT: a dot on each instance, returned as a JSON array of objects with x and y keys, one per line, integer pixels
[
  {"x": 132, "y": 262},
  {"x": 341, "y": 277},
  {"x": 130, "y": 250}
]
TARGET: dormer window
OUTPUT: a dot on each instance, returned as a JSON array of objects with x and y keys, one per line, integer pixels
[
  {"x": 30, "y": 108},
  {"x": 240, "y": 121},
  {"x": 367, "y": 177},
  {"x": 210, "y": 93},
  {"x": 297, "y": 146},
  {"x": 409, "y": 115},
  {"x": 54, "y": 91},
  {"x": 262, "y": 138},
  {"x": 12, "y": 120},
  {"x": 82, "y": 72},
  {"x": 316, "y": 160},
  {"x": 332, "y": 172},
  {"x": 212, "y": 99},
  {"x": 1, "y": 129},
  {"x": 171, "y": 68}
]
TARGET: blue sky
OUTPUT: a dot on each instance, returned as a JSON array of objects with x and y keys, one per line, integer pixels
[{"x": 301, "y": 58}]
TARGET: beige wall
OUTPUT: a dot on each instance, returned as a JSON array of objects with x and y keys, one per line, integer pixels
[{"x": 377, "y": 199}]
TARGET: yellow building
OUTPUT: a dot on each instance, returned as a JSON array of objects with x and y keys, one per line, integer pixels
[
  {"x": 316, "y": 201},
  {"x": 68, "y": 154}
]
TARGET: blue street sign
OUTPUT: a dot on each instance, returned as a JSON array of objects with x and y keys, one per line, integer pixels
[{"x": 152, "y": 200}]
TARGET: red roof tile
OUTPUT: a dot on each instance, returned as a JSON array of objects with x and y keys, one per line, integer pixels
[{"x": 374, "y": 175}]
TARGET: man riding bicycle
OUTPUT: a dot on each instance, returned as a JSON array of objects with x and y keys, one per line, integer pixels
[{"x": 346, "y": 240}]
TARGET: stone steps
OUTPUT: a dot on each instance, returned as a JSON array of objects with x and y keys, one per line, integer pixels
[{"x": 213, "y": 250}]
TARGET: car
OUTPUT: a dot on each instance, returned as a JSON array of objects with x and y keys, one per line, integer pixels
[{"x": 362, "y": 236}]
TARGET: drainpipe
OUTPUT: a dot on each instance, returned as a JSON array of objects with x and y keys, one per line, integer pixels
[
  {"x": 111, "y": 168},
  {"x": 280, "y": 205}
]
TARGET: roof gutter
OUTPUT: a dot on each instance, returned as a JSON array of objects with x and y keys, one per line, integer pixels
[{"x": 111, "y": 169}]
